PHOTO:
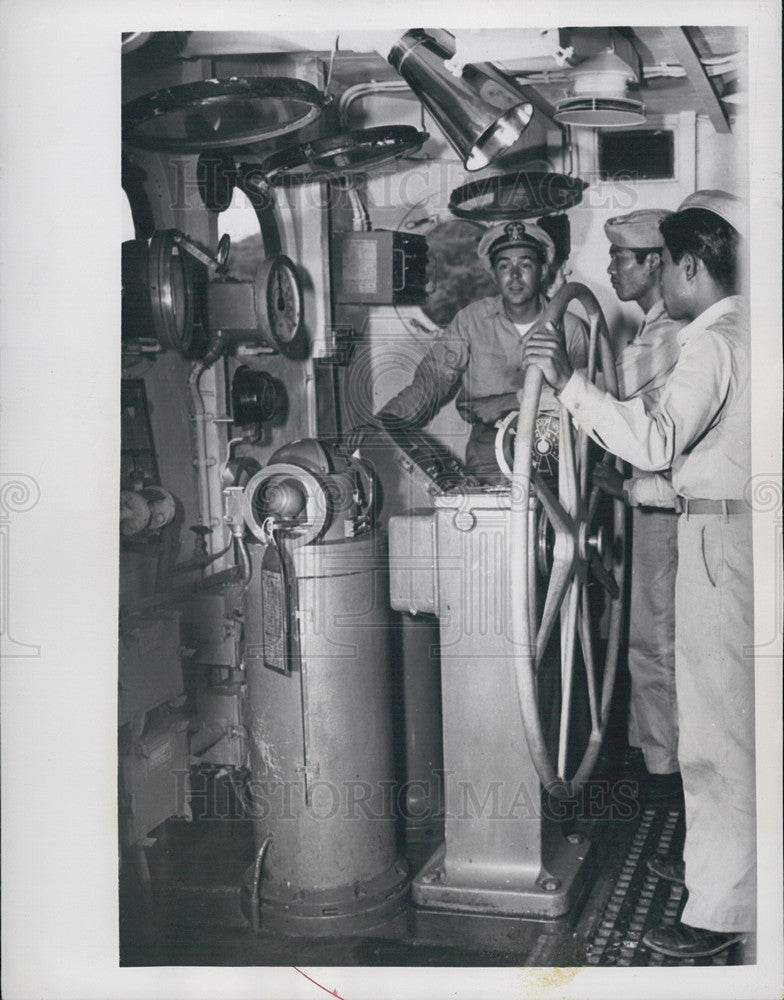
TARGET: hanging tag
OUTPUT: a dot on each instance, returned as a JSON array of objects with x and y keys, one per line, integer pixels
[{"x": 276, "y": 610}]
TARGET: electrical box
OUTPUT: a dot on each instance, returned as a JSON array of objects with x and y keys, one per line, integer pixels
[
  {"x": 150, "y": 669},
  {"x": 154, "y": 777},
  {"x": 379, "y": 267},
  {"x": 232, "y": 306},
  {"x": 212, "y": 628}
]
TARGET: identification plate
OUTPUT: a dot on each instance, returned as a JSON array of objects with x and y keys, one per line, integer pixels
[{"x": 275, "y": 611}]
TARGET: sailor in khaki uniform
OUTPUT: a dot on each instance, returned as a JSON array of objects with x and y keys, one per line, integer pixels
[
  {"x": 477, "y": 357},
  {"x": 700, "y": 429},
  {"x": 642, "y": 368}
]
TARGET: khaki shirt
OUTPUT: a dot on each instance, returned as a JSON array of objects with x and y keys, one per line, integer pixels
[
  {"x": 700, "y": 426},
  {"x": 645, "y": 363},
  {"x": 642, "y": 368},
  {"x": 479, "y": 353}
]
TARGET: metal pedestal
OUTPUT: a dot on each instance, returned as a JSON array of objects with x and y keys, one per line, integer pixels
[{"x": 502, "y": 854}]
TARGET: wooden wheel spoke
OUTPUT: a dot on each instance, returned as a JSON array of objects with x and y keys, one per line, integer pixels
[
  {"x": 582, "y": 437},
  {"x": 593, "y": 335},
  {"x": 561, "y": 520},
  {"x": 583, "y": 471},
  {"x": 568, "y": 635},
  {"x": 593, "y": 503},
  {"x": 560, "y": 579},
  {"x": 605, "y": 578},
  {"x": 568, "y": 486},
  {"x": 586, "y": 644},
  {"x": 531, "y": 572}
]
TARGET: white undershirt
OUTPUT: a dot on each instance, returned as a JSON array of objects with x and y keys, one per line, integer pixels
[{"x": 523, "y": 328}]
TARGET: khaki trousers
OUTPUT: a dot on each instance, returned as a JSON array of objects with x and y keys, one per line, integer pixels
[
  {"x": 653, "y": 711},
  {"x": 714, "y": 633}
]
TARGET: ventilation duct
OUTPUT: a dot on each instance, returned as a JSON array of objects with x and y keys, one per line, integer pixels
[{"x": 599, "y": 95}]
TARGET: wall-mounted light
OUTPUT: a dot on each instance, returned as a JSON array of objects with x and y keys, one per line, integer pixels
[{"x": 480, "y": 111}]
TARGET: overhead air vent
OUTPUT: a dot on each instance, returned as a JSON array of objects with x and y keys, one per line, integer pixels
[
  {"x": 599, "y": 97},
  {"x": 600, "y": 112}
]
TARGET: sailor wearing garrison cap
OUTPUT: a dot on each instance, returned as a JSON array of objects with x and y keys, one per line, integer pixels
[
  {"x": 643, "y": 368},
  {"x": 478, "y": 355},
  {"x": 699, "y": 429},
  {"x": 637, "y": 230},
  {"x": 727, "y": 206}
]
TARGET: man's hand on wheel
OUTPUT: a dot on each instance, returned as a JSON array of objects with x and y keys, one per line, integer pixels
[{"x": 546, "y": 348}]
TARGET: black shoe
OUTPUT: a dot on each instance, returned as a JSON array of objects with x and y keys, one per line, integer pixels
[
  {"x": 671, "y": 871},
  {"x": 683, "y": 941},
  {"x": 664, "y": 790}
]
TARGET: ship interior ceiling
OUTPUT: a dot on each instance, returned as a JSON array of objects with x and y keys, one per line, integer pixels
[{"x": 372, "y": 709}]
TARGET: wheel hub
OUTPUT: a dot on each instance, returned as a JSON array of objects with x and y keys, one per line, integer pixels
[{"x": 590, "y": 545}]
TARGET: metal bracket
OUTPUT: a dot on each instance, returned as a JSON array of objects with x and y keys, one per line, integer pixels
[{"x": 233, "y": 507}]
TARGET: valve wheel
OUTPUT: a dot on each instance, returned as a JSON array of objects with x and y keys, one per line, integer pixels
[{"x": 586, "y": 560}]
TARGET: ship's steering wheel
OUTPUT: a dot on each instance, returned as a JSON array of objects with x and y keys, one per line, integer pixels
[{"x": 559, "y": 535}]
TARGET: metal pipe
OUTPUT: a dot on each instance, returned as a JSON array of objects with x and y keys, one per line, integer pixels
[
  {"x": 254, "y": 899},
  {"x": 225, "y": 576},
  {"x": 481, "y": 113},
  {"x": 361, "y": 90},
  {"x": 204, "y": 738},
  {"x": 209, "y": 488},
  {"x": 192, "y": 564},
  {"x": 360, "y": 217},
  {"x": 245, "y": 563},
  {"x": 200, "y": 417}
]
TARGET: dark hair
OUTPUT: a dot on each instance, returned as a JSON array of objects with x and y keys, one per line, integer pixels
[
  {"x": 707, "y": 236},
  {"x": 640, "y": 255}
]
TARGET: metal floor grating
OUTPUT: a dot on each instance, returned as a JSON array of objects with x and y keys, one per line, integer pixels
[{"x": 641, "y": 900}]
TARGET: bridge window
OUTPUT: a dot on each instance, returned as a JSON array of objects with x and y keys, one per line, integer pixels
[{"x": 242, "y": 225}]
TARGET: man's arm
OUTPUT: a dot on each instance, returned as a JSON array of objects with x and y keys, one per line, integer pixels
[
  {"x": 435, "y": 378},
  {"x": 655, "y": 490},
  {"x": 650, "y": 440},
  {"x": 647, "y": 490}
]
